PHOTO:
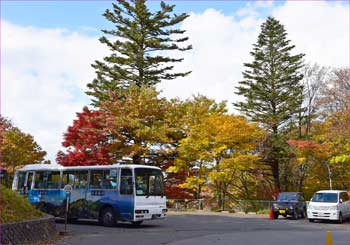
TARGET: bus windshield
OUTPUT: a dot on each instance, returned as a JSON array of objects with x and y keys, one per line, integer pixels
[{"x": 149, "y": 182}]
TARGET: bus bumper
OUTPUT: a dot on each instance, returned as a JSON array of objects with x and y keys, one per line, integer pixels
[{"x": 150, "y": 214}]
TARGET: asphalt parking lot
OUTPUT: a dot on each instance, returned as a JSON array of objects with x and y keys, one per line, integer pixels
[{"x": 208, "y": 228}]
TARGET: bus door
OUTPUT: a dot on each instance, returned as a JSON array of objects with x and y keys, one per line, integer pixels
[
  {"x": 28, "y": 182},
  {"x": 126, "y": 198},
  {"x": 102, "y": 190},
  {"x": 19, "y": 182}
]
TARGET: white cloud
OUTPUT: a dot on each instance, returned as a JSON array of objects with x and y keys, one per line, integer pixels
[
  {"x": 222, "y": 43},
  {"x": 44, "y": 77},
  {"x": 318, "y": 29},
  {"x": 45, "y": 71}
]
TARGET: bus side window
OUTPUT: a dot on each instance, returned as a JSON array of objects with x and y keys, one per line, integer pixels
[
  {"x": 96, "y": 179},
  {"x": 77, "y": 179},
  {"x": 126, "y": 182},
  {"x": 111, "y": 178},
  {"x": 81, "y": 179},
  {"x": 68, "y": 178},
  {"x": 53, "y": 179},
  {"x": 39, "y": 182}
]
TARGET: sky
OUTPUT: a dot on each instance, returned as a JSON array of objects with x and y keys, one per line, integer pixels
[{"x": 47, "y": 48}]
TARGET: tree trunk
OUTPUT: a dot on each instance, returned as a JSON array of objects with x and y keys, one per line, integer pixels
[
  {"x": 223, "y": 201},
  {"x": 136, "y": 159},
  {"x": 275, "y": 174},
  {"x": 329, "y": 176}
]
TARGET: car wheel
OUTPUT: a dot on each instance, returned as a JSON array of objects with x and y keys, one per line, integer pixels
[
  {"x": 340, "y": 219},
  {"x": 311, "y": 220},
  {"x": 107, "y": 217},
  {"x": 275, "y": 215},
  {"x": 136, "y": 223},
  {"x": 295, "y": 214}
]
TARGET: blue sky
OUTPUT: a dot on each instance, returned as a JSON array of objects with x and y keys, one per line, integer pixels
[
  {"x": 87, "y": 15},
  {"x": 47, "y": 48}
]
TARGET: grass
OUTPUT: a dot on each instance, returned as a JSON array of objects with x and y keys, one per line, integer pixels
[
  {"x": 14, "y": 208},
  {"x": 263, "y": 211}
]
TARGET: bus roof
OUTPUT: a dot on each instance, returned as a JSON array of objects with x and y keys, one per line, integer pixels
[{"x": 57, "y": 167}]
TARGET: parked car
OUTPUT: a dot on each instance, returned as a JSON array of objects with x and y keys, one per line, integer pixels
[
  {"x": 329, "y": 205},
  {"x": 289, "y": 203}
]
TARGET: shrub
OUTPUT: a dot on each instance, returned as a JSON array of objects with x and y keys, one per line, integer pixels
[{"x": 15, "y": 208}]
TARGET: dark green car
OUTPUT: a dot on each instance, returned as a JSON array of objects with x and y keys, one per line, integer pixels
[{"x": 289, "y": 203}]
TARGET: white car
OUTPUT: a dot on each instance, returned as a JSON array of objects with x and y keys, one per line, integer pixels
[{"x": 329, "y": 205}]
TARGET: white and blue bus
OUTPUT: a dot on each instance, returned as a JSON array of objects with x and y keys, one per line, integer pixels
[{"x": 112, "y": 193}]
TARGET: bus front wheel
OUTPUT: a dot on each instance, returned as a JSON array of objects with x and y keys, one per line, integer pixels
[{"x": 107, "y": 217}]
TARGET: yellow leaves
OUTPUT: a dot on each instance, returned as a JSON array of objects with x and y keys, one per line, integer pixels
[
  {"x": 221, "y": 176},
  {"x": 173, "y": 169},
  {"x": 340, "y": 159},
  {"x": 220, "y": 136},
  {"x": 192, "y": 183},
  {"x": 19, "y": 149},
  {"x": 301, "y": 160}
]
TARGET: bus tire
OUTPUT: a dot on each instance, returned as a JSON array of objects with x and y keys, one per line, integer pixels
[{"x": 107, "y": 217}]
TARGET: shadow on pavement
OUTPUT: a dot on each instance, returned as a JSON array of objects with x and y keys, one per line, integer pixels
[{"x": 96, "y": 223}]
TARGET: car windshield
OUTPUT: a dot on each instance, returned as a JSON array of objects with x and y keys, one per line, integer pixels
[
  {"x": 325, "y": 197},
  {"x": 287, "y": 197},
  {"x": 149, "y": 182}
]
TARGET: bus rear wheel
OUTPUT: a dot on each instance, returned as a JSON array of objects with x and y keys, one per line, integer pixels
[{"x": 107, "y": 217}]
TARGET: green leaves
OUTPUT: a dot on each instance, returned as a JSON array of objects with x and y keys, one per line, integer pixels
[
  {"x": 273, "y": 91},
  {"x": 272, "y": 81},
  {"x": 137, "y": 44}
]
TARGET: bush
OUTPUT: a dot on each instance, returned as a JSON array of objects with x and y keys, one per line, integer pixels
[
  {"x": 15, "y": 208},
  {"x": 264, "y": 211}
]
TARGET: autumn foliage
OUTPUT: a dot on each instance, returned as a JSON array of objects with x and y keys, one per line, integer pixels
[
  {"x": 86, "y": 142},
  {"x": 17, "y": 148}
]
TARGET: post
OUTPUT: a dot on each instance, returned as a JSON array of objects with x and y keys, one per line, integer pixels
[
  {"x": 67, "y": 209},
  {"x": 67, "y": 189}
]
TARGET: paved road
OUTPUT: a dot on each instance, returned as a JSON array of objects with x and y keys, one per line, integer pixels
[{"x": 208, "y": 229}]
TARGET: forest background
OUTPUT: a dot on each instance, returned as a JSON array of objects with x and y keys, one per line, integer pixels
[{"x": 292, "y": 134}]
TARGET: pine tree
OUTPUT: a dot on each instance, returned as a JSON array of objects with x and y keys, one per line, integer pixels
[
  {"x": 138, "y": 44},
  {"x": 272, "y": 86}
]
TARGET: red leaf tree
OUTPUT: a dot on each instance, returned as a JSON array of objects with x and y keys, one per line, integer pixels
[{"x": 86, "y": 141}]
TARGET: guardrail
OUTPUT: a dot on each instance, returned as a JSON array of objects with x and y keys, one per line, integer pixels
[
  {"x": 185, "y": 204},
  {"x": 246, "y": 206}
]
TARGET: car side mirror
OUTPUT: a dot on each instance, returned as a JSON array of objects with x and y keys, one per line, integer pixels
[
  {"x": 340, "y": 200},
  {"x": 311, "y": 199}
]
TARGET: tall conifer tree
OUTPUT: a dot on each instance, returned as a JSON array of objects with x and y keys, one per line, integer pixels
[
  {"x": 272, "y": 88},
  {"x": 138, "y": 43}
]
